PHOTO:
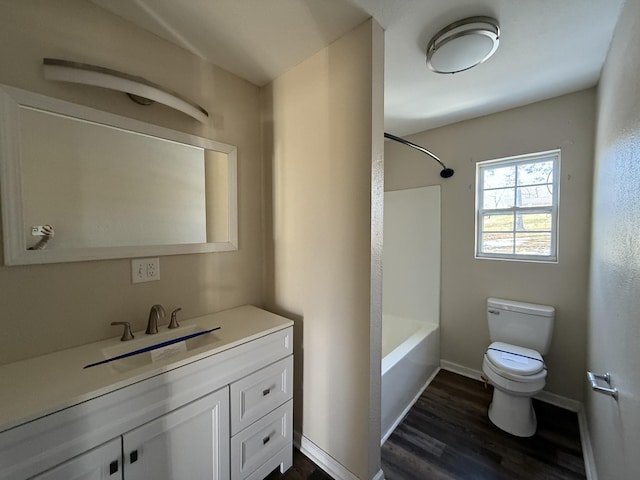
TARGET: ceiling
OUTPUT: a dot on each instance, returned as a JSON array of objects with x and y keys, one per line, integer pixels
[{"x": 547, "y": 47}]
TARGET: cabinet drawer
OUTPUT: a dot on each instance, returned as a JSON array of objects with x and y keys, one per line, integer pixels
[
  {"x": 259, "y": 442},
  {"x": 259, "y": 393}
]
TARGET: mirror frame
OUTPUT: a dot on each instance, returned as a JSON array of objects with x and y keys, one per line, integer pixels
[{"x": 14, "y": 238}]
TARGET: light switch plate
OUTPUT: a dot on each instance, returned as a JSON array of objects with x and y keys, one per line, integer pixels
[{"x": 145, "y": 270}]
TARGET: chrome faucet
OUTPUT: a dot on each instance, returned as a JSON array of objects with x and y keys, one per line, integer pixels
[{"x": 157, "y": 311}]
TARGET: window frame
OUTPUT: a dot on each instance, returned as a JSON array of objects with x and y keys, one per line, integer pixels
[{"x": 554, "y": 156}]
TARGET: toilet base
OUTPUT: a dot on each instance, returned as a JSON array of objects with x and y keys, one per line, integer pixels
[{"x": 513, "y": 414}]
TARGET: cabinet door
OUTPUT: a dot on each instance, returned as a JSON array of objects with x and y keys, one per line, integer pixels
[
  {"x": 101, "y": 463},
  {"x": 191, "y": 442}
]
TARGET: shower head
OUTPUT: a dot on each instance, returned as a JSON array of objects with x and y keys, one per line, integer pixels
[{"x": 444, "y": 173}]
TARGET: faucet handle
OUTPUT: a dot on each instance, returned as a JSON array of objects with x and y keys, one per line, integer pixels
[
  {"x": 126, "y": 334},
  {"x": 174, "y": 320}
]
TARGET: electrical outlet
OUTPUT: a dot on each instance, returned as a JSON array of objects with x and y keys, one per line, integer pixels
[{"x": 145, "y": 270}]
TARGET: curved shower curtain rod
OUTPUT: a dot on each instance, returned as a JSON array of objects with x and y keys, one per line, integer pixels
[{"x": 444, "y": 173}]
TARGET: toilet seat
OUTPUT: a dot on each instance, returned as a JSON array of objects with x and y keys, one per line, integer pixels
[{"x": 515, "y": 360}]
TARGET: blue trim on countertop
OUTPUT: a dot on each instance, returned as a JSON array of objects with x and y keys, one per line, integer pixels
[{"x": 152, "y": 347}]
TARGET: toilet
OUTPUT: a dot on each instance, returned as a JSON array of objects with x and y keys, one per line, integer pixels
[{"x": 520, "y": 334}]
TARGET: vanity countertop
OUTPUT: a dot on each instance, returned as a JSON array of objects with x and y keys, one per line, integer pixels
[{"x": 38, "y": 386}]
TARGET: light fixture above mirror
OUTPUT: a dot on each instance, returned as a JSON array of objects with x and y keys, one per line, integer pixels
[
  {"x": 463, "y": 45},
  {"x": 139, "y": 89}
]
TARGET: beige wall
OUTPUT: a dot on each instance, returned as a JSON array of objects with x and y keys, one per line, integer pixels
[
  {"x": 50, "y": 307},
  {"x": 567, "y": 123},
  {"x": 614, "y": 327},
  {"x": 318, "y": 141}
]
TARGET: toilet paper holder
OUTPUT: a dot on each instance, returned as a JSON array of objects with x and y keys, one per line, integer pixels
[{"x": 594, "y": 377}]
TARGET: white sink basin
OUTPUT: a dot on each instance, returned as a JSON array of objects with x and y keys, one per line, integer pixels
[{"x": 142, "y": 341}]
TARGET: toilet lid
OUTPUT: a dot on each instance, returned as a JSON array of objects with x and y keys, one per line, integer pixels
[{"x": 515, "y": 359}]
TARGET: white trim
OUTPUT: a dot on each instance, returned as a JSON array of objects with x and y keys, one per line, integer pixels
[
  {"x": 461, "y": 370},
  {"x": 325, "y": 461},
  {"x": 587, "y": 450},
  {"x": 559, "y": 401},
  {"x": 379, "y": 475},
  {"x": 409, "y": 407},
  {"x": 547, "y": 397}
]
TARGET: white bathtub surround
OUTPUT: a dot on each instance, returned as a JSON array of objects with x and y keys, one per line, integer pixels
[
  {"x": 407, "y": 368},
  {"x": 411, "y": 255},
  {"x": 411, "y": 300}
]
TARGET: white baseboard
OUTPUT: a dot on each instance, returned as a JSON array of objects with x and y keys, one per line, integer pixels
[
  {"x": 325, "y": 461},
  {"x": 587, "y": 450},
  {"x": 379, "y": 475},
  {"x": 547, "y": 397},
  {"x": 406, "y": 410},
  {"x": 460, "y": 370},
  {"x": 553, "y": 399},
  {"x": 560, "y": 401}
]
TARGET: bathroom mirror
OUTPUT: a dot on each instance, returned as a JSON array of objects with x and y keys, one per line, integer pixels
[{"x": 81, "y": 184}]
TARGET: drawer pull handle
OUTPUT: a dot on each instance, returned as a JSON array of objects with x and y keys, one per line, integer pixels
[
  {"x": 265, "y": 440},
  {"x": 266, "y": 392},
  {"x": 133, "y": 456},
  {"x": 113, "y": 467}
]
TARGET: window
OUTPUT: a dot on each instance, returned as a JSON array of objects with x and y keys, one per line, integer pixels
[{"x": 517, "y": 207}]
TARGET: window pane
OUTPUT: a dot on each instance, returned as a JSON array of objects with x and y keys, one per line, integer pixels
[
  {"x": 535, "y": 172},
  {"x": 497, "y": 243},
  {"x": 534, "y": 196},
  {"x": 517, "y": 200},
  {"x": 500, "y": 198},
  {"x": 499, "y": 177},
  {"x": 533, "y": 243},
  {"x": 497, "y": 223},
  {"x": 533, "y": 222}
]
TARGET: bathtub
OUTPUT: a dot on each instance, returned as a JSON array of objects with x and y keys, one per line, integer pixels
[{"x": 410, "y": 359}]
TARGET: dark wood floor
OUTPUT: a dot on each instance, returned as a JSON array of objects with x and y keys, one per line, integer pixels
[
  {"x": 302, "y": 469},
  {"x": 448, "y": 436}
]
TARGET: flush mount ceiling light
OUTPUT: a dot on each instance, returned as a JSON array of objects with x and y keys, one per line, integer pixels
[
  {"x": 139, "y": 89},
  {"x": 463, "y": 45}
]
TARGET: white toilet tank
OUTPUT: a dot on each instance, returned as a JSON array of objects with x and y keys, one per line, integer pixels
[{"x": 518, "y": 323}]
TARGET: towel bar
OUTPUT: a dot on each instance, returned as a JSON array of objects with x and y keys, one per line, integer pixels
[{"x": 593, "y": 378}]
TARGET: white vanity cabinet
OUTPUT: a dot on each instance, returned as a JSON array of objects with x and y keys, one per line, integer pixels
[
  {"x": 190, "y": 442},
  {"x": 261, "y": 421},
  {"x": 224, "y": 415},
  {"x": 101, "y": 463}
]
